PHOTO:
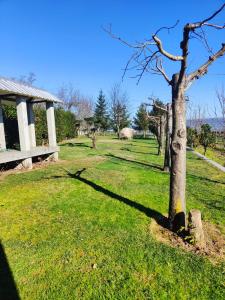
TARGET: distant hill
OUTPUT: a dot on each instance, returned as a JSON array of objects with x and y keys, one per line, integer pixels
[{"x": 216, "y": 123}]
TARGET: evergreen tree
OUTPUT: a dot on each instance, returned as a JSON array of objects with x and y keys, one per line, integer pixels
[
  {"x": 141, "y": 121},
  {"x": 101, "y": 118},
  {"x": 206, "y": 137}
]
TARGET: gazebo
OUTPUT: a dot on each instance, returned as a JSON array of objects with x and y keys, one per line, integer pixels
[{"x": 23, "y": 97}]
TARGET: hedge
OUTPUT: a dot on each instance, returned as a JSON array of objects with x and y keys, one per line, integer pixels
[{"x": 65, "y": 125}]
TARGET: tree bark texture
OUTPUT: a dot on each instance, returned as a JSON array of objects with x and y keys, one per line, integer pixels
[
  {"x": 167, "y": 158},
  {"x": 161, "y": 138},
  {"x": 177, "y": 205}
]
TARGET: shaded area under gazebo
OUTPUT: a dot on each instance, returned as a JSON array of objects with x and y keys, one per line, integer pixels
[{"x": 24, "y": 97}]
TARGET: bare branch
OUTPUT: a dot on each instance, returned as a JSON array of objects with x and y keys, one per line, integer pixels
[
  {"x": 154, "y": 119},
  {"x": 196, "y": 25},
  {"x": 161, "y": 70},
  {"x": 163, "y": 108},
  {"x": 204, "y": 68},
  {"x": 165, "y": 53},
  {"x": 215, "y": 26},
  {"x": 135, "y": 46},
  {"x": 168, "y": 28}
]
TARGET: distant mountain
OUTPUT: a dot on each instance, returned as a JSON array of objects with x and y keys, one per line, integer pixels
[{"x": 217, "y": 124}]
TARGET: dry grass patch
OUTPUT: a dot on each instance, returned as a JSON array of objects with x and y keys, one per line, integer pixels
[{"x": 215, "y": 241}]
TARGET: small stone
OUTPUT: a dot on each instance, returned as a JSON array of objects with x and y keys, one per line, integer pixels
[{"x": 94, "y": 266}]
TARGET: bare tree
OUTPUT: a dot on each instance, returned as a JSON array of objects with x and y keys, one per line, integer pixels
[
  {"x": 221, "y": 98},
  {"x": 148, "y": 56},
  {"x": 163, "y": 125},
  {"x": 82, "y": 106},
  {"x": 26, "y": 79},
  {"x": 157, "y": 117},
  {"x": 69, "y": 95},
  {"x": 119, "y": 114}
]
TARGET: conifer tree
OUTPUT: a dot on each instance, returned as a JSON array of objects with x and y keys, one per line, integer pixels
[
  {"x": 141, "y": 121},
  {"x": 101, "y": 118}
]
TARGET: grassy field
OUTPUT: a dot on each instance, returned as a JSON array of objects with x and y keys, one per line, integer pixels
[
  {"x": 88, "y": 237},
  {"x": 215, "y": 154}
]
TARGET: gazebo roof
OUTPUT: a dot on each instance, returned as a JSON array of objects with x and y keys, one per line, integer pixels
[{"x": 10, "y": 90}]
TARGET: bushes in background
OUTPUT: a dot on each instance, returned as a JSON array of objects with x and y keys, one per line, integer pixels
[{"x": 65, "y": 125}]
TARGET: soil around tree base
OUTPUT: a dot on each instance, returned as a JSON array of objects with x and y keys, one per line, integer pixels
[{"x": 215, "y": 241}]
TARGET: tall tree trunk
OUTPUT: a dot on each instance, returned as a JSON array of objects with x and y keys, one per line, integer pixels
[
  {"x": 162, "y": 133},
  {"x": 177, "y": 204},
  {"x": 167, "y": 158},
  {"x": 159, "y": 139}
]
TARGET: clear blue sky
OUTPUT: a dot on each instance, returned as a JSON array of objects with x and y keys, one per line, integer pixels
[{"x": 62, "y": 41}]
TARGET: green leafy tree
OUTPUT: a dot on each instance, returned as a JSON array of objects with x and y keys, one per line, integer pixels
[
  {"x": 192, "y": 137},
  {"x": 207, "y": 137},
  {"x": 101, "y": 118},
  {"x": 141, "y": 120}
]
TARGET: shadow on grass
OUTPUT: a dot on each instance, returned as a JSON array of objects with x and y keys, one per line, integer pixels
[
  {"x": 215, "y": 205},
  {"x": 192, "y": 176},
  {"x": 76, "y": 145},
  {"x": 141, "y": 138},
  {"x": 8, "y": 289},
  {"x": 151, "y": 213},
  {"x": 135, "y": 162},
  {"x": 138, "y": 152}
]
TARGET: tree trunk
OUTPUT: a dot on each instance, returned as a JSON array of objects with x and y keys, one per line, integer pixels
[
  {"x": 159, "y": 140},
  {"x": 94, "y": 141},
  {"x": 162, "y": 133},
  {"x": 205, "y": 149},
  {"x": 144, "y": 133},
  {"x": 177, "y": 205},
  {"x": 118, "y": 132},
  {"x": 167, "y": 158}
]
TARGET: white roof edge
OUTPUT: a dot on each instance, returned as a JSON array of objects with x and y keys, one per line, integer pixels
[{"x": 9, "y": 86}]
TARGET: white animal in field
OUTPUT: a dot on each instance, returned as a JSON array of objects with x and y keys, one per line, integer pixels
[{"x": 127, "y": 133}]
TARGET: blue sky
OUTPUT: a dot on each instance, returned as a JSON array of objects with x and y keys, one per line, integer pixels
[{"x": 62, "y": 41}]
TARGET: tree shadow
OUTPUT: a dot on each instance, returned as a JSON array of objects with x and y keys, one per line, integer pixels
[
  {"x": 69, "y": 144},
  {"x": 138, "y": 152},
  {"x": 8, "y": 289},
  {"x": 146, "y": 139},
  {"x": 151, "y": 213},
  {"x": 154, "y": 166},
  {"x": 149, "y": 146},
  {"x": 215, "y": 205},
  {"x": 204, "y": 178}
]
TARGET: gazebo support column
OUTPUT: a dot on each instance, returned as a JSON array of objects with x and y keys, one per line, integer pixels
[
  {"x": 51, "y": 128},
  {"x": 2, "y": 131},
  {"x": 31, "y": 124},
  {"x": 24, "y": 134}
]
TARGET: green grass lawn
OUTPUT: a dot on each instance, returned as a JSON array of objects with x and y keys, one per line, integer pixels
[
  {"x": 215, "y": 154},
  {"x": 89, "y": 238}
]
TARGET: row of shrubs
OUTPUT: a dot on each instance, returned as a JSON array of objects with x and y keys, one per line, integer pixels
[
  {"x": 204, "y": 137},
  {"x": 66, "y": 125}
]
